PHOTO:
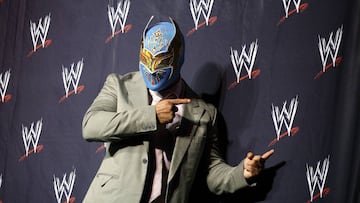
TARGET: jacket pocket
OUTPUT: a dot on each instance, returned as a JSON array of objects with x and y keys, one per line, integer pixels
[{"x": 104, "y": 178}]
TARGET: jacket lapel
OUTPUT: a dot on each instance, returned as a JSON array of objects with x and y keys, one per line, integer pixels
[
  {"x": 137, "y": 91},
  {"x": 191, "y": 116}
]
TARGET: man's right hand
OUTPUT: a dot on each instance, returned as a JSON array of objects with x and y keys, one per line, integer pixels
[{"x": 165, "y": 109}]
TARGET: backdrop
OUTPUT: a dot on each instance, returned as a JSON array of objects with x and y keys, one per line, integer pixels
[{"x": 283, "y": 74}]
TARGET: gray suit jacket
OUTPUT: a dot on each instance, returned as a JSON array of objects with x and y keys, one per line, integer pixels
[{"x": 121, "y": 116}]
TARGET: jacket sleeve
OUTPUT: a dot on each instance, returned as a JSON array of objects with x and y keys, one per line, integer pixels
[
  {"x": 104, "y": 122},
  {"x": 222, "y": 178}
]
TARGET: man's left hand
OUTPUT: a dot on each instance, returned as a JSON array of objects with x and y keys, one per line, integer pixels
[{"x": 254, "y": 164}]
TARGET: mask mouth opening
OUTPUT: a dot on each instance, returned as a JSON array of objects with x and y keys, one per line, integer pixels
[{"x": 157, "y": 77}]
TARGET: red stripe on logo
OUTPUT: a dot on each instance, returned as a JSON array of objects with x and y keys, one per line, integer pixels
[
  {"x": 127, "y": 28},
  {"x": 254, "y": 74},
  {"x": 293, "y": 131},
  {"x": 47, "y": 44},
  {"x": 79, "y": 89},
  {"x": 39, "y": 148},
  {"x": 212, "y": 20},
  {"x": 302, "y": 8}
]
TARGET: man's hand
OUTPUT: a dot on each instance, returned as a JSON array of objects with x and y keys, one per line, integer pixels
[
  {"x": 165, "y": 109},
  {"x": 254, "y": 164}
]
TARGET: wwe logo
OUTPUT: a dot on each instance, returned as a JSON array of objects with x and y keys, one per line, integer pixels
[
  {"x": 4, "y": 82},
  {"x": 119, "y": 15},
  {"x": 64, "y": 187},
  {"x": 317, "y": 177},
  {"x": 286, "y": 4},
  {"x": 203, "y": 7},
  {"x": 32, "y": 135},
  {"x": 286, "y": 116},
  {"x": 72, "y": 77},
  {"x": 39, "y": 31},
  {"x": 330, "y": 48},
  {"x": 245, "y": 59}
]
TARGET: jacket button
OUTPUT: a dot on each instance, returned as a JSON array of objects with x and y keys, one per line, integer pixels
[{"x": 144, "y": 161}]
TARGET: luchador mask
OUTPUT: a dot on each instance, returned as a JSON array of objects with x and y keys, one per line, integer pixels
[{"x": 161, "y": 55}]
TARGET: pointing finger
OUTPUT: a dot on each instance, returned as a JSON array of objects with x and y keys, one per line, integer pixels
[
  {"x": 267, "y": 154},
  {"x": 179, "y": 101}
]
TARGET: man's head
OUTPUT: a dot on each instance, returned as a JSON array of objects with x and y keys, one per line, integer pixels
[{"x": 161, "y": 55}]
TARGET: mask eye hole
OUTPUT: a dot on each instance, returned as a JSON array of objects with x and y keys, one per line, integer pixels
[
  {"x": 156, "y": 62},
  {"x": 165, "y": 59}
]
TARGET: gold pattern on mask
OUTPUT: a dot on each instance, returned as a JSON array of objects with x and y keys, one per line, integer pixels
[{"x": 154, "y": 63}]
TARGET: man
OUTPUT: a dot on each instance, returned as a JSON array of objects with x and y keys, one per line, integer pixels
[{"x": 157, "y": 131}]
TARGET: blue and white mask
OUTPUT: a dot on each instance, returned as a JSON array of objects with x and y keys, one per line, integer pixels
[{"x": 161, "y": 55}]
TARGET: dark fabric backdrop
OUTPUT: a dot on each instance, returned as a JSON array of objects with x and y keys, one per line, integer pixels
[
  {"x": 346, "y": 141},
  {"x": 321, "y": 155}
]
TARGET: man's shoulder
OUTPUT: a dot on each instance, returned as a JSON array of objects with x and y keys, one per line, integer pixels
[
  {"x": 131, "y": 78},
  {"x": 136, "y": 75},
  {"x": 190, "y": 93}
]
